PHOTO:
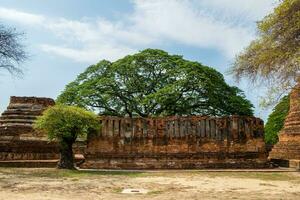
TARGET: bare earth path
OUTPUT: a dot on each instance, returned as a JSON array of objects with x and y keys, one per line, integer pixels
[{"x": 41, "y": 184}]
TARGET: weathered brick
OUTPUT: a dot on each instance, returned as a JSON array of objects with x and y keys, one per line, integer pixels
[
  {"x": 18, "y": 140},
  {"x": 179, "y": 142},
  {"x": 288, "y": 146}
]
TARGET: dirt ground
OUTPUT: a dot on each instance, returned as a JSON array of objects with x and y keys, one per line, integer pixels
[{"x": 41, "y": 184}]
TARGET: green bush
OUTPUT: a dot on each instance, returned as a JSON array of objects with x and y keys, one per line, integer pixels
[{"x": 276, "y": 120}]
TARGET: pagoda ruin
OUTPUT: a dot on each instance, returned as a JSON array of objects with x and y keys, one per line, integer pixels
[
  {"x": 287, "y": 151},
  {"x": 19, "y": 142}
]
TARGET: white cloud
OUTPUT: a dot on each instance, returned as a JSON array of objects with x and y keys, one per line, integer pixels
[
  {"x": 21, "y": 17},
  {"x": 73, "y": 30},
  {"x": 184, "y": 22},
  {"x": 216, "y": 24},
  {"x": 94, "y": 40},
  {"x": 88, "y": 54},
  {"x": 249, "y": 9}
]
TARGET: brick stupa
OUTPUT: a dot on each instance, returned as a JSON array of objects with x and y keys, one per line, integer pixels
[
  {"x": 20, "y": 114},
  {"x": 287, "y": 151},
  {"x": 20, "y": 144}
]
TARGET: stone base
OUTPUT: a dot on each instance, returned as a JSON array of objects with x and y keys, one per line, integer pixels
[
  {"x": 288, "y": 147},
  {"x": 105, "y": 153},
  {"x": 294, "y": 164},
  {"x": 28, "y": 150},
  {"x": 211, "y": 160},
  {"x": 29, "y": 163},
  {"x": 287, "y": 163},
  {"x": 18, "y": 150},
  {"x": 286, "y": 153}
]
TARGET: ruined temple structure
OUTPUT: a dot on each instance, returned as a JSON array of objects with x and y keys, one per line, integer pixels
[
  {"x": 18, "y": 141},
  {"x": 21, "y": 112},
  {"x": 177, "y": 143},
  {"x": 20, "y": 144},
  {"x": 287, "y": 151},
  {"x": 137, "y": 143}
]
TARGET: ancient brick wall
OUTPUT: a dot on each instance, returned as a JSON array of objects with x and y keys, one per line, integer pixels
[{"x": 177, "y": 142}]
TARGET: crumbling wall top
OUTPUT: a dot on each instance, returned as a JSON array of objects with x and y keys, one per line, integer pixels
[{"x": 32, "y": 100}]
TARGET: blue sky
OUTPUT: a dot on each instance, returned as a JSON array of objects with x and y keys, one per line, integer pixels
[{"x": 64, "y": 37}]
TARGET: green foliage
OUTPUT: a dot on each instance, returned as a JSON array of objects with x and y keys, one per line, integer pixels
[
  {"x": 67, "y": 122},
  {"x": 276, "y": 120},
  {"x": 154, "y": 83},
  {"x": 274, "y": 56}
]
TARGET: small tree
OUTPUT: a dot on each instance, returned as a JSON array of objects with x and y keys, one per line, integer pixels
[{"x": 65, "y": 124}]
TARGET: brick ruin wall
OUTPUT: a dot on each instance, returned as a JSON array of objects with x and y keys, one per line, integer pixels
[
  {"x": 140, "y": 143},
  {"x": 177, "y": 142}
]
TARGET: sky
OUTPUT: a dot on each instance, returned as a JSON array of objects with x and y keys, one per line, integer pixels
[{"x": 64, "y": 37}]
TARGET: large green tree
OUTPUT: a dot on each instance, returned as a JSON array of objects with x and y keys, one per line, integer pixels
[
  {"x": 276, "y": 120},
  {"x": 64, "y": 124},
  {"x": 274, "y": 56},
  {"x": 154, "y": 83}
]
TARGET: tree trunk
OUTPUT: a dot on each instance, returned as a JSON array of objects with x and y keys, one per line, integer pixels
[{"x": 66, "y": 155}]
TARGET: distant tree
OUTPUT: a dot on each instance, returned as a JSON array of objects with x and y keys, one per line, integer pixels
[
  {"x": 12, "y": 51},
  {"x": 275, "y": 55},
  {"x": 154, "y": 83},
  {"x": 276, "y": 120},
  {"x": 64, "y": 124}
]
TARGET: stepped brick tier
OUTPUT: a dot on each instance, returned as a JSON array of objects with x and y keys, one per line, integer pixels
[
  {"x": 287, "y": 151},
  {"x": 18, "y": 140},
  {"x": 21, "y": 112},
  {"x": 177, "y": 143}
]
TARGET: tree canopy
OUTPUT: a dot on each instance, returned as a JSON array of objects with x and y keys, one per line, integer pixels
[
  {"x": 276, "y": 120},
  {"x": 12, "y": 52},
  {"x": 65, "y": 124},
  {"x": 275, "y": 55},
  {"x": 154, "y": 83}
]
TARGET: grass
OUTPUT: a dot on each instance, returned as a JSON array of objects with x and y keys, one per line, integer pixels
[
  {"x": 118, "y": 190},
  {"x": 75, "y": 175},
  {"x": 61, "y": 173},
  {"x": 266, "y": 176}
]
